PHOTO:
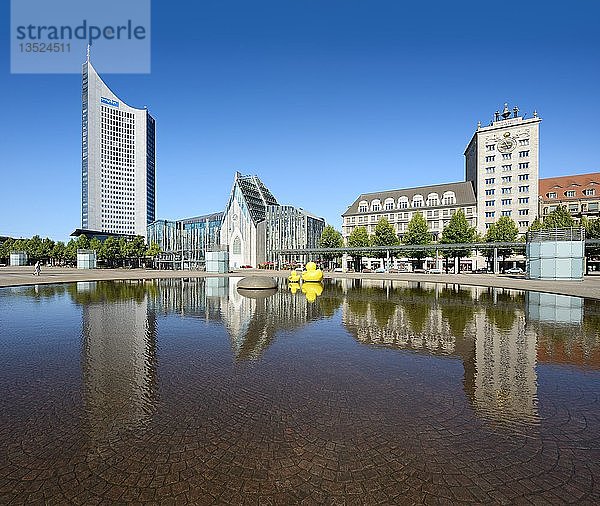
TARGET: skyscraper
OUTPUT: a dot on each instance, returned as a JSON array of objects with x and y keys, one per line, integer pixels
[
  {"x": 117, "y": 161},
  {"x": 502, "y": 162}
]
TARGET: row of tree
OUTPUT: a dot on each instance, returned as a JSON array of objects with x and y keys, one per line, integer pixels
[
  {"x": 112, "y": 251},
  {"x": 458, "y": 231}
]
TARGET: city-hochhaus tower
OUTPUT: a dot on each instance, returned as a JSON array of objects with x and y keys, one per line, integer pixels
[
  {"x": 118, "y": 161},
  {"x": 502, "y": 162}
]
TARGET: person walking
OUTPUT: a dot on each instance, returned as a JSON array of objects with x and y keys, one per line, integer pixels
[{"x": 37, "y": 269}]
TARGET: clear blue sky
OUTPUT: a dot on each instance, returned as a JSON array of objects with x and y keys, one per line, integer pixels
[{"x": 323, "y": 99}]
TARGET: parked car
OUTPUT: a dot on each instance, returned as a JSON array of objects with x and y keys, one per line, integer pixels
[
  {"x": 367, "y": 270},
  {"x": 393, "y": 271},
  {"x": 485, "y": 270},
  {"x": 337, "y": 269},
  {"x": 246, "y": 267},
  {"x": 515, "y": 270},
  {"x": 434, "y": 271},
  {"x": 380, "y": 270},
  {"x": 419, "y": 271}
]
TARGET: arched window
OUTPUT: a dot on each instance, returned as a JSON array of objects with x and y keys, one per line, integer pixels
[
  {"x": 389, "y": 204},
  {"x": 449, "y": 198},
  {"x": 375, "y": 205},
  {"x": 433, "y": 200},
  {"x": 402, "y": 202},
  {"x": 417, "y": 201},
  {"x": 237, "y": 246},
  {"x": 363, "y": 206}
]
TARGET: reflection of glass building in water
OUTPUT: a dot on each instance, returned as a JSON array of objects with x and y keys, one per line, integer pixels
[
  {"x": 486, "y": 328},
  {"x": 119, "y": 361},
  {"x": 253, "y": 322}
]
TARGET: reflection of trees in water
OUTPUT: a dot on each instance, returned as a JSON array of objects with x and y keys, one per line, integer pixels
[
  {"x": 331, "y": 299},
  {"x": 457, "y": 308},
  {"x": 417, "y": 309},
  {"x": 500, "y": 309},
  {"x": 113, "y": 291},
  {"x": 39, "y": 292}
]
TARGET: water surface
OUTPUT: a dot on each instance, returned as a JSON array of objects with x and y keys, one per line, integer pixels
[{"x": 368, "y": 392}]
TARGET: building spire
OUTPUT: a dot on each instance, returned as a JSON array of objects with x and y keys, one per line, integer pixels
[{"x": 88, "y": 54}]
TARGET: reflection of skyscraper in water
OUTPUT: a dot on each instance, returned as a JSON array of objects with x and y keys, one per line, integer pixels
[
  {"x": 485, "y": 327},
  {"x": 119, "y": 357},
  {"x": 505, "y": 360}
]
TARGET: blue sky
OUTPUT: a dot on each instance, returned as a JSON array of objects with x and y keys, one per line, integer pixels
[{"x": 323, "y": 99}]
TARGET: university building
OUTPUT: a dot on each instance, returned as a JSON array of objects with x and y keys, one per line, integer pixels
[
  {"x": 252, "y": 228},
  {"x": 579, "y": 193},
  {"x": 118, "y": 162}
]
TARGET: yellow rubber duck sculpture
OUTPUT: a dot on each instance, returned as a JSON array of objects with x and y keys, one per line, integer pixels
[
  {"x": 312, "y": 291},
  {"x": 294, "y": 277},
  {"x": 312, "y": 274}
]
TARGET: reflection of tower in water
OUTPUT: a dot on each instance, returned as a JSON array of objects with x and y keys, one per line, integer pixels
[
  {"x": 484, "y": 327},
  {"x": 118, "y": 357}
]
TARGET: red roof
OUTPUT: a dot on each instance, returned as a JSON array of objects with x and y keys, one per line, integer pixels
[{"x": 562, "y": 184}]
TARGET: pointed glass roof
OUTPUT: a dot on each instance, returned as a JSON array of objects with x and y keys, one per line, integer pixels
[{"x": 256, "y": 195}]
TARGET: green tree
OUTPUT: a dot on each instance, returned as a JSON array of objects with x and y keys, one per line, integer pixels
[
  {"x": 46, "y": 249},
  {"x": 83, "y": 242},
  {"x": 504, "y": 230},
  {"x": 384, "y": 235},
  {"x": 71, "y": 251},
  {"x": 137, "y": 248},
  {"x": 5, "y": 248},
  {"x": 359, "y": 238},
  {"x": 124, "y": 250},
  {"x": 535, "y": 226},
  {"x": 110, "y": 250},
  {"x": 58, "y": 252},
  {"x": 458, "y": 231},
  {"x": 34, "y": 248},
  {"x": 153, "y": 250},
  {"x": 330, "y": 239},
  {"x": 417, "y": 233},
  {"x": 559, "y": 218},
  {"x": 96, "y": 245}
]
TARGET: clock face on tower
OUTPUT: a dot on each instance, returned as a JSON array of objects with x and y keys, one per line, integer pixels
[{"x": 507, "y": 144}]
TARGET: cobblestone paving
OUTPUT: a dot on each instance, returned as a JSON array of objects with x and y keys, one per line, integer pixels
[{"x": 319, "y": 419}]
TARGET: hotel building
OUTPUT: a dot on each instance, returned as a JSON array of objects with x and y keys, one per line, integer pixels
[
  {"x": 579, "y": 193},
  {"x": 437, "y": 203},
  {"x": 118, "y": 161},
  {"x": 502, "y": 162}
]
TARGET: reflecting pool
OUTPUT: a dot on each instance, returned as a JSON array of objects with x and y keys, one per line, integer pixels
[{"x": 355, "y": 392}]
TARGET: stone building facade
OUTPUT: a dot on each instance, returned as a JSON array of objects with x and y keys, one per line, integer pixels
[{"x": 502, "y": 162}]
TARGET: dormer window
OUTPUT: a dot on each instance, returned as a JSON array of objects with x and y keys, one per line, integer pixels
[
  {"x": 570, "y": 193},
  {"x": 552, "y": 195}
]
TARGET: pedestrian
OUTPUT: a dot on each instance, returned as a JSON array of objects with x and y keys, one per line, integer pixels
[{"x": 38, "y": 269}]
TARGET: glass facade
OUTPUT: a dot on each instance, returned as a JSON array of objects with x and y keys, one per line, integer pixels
[
  {"x": 192, "y": 236},
  {"x": 288, "y": 227}
]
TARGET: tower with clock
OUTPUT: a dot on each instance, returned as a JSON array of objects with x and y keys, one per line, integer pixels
[{"x": 502, "y": 162}]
